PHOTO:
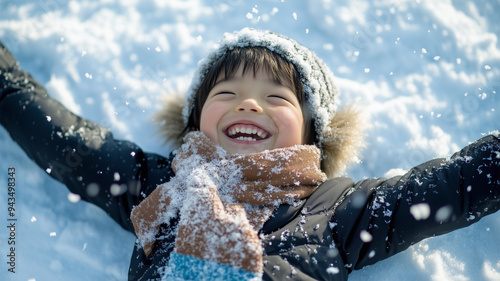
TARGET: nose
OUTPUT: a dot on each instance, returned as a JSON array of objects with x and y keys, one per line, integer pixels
[{"x": 250, "y": 105}]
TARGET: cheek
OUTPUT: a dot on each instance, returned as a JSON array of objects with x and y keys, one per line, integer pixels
[
  {"x": 210, "y": 117},
  {"x": 291, "y": 127}
]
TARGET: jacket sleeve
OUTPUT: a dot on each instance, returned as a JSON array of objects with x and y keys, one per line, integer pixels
[
  {"x": 383, "y": 217},
  {"x": 115, "y": 175}
]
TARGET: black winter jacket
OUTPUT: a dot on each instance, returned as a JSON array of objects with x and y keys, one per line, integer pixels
[{"x": 341, "y": 227}]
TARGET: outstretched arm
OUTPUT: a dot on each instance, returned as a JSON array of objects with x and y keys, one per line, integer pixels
[
  {"x": 384, "y": 217},
  {"x": 113, "y": 174}
]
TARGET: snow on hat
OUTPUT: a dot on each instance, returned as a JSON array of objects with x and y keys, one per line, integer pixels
[{"x": 316, "y": 77}]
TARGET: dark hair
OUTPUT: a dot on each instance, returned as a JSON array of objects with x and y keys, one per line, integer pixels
[{"x": 280, "y": 69}]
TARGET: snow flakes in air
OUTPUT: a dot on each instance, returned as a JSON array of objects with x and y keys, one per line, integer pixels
[
  {"x": 420, "y": 211},
  {"x": 332, "y": 252},
  {"x": 365, "y": 236},
  {"x": 332, "y": 270},
  {"x": 358, "y": 200},
  {"x": 118, "y": 189},
  {"x": 73, "y": 198},
  {"x": 444, "y": 213},
  {"x": 92, "y": 190}
]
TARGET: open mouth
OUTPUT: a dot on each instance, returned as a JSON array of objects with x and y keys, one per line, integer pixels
[{"x": 247, "y": 132}]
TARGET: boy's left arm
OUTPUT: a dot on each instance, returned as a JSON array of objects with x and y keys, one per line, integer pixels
[
  {"x": 112, "y": 174},
  {"x": 384, "y": 217}
]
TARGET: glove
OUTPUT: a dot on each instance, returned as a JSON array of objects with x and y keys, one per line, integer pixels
[
  {"x": 7, "y": 61},
  {"x": 12, "y": 78}
]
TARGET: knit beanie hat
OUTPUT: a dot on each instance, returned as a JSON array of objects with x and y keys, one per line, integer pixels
[
  {"x": 316, "y": 77},
  {"x": 339, "y": 131}
]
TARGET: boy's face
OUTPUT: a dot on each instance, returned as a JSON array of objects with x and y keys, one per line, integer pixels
[{"x": 248, "y": 114}]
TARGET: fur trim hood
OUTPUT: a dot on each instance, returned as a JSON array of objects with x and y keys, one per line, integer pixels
[{"x": 342, "y": 144}]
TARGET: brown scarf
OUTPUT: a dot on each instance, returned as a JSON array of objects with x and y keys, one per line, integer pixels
[{"x": 224, "y": 200}]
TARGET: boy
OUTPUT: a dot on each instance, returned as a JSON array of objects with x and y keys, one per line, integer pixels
[{"x": 260, "y": 110}]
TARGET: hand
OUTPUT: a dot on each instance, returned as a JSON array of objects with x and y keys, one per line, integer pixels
[
  {"x": 211, "y": 232},
  {"x": 7, "y": 61},
  {"x": 8, "y": 64}
]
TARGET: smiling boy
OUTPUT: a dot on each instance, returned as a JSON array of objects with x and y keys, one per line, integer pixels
[{"x": 253, "y": 191}]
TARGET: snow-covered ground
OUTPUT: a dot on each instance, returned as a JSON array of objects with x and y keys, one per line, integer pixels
[{"x": 426, "y": 73}]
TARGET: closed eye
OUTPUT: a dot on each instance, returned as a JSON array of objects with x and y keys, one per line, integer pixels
[
  {"x": 224, "y": 93},
  {"x": 279, "y": 97}
]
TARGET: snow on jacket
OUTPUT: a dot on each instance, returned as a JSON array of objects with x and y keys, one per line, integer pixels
[{"x": 341, "y": 227}]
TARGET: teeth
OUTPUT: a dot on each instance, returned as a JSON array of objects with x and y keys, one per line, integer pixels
[
  {"x": 246, "y": 139},
  {"x": 245, "y": 130}
]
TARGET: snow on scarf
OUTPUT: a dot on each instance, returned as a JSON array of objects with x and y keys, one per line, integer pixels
[{"x": 224, "y": 199}]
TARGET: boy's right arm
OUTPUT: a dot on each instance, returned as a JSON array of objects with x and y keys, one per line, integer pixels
[
  {"x": 115, "y": 175},
  {"x": 384, "y": 217}
]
